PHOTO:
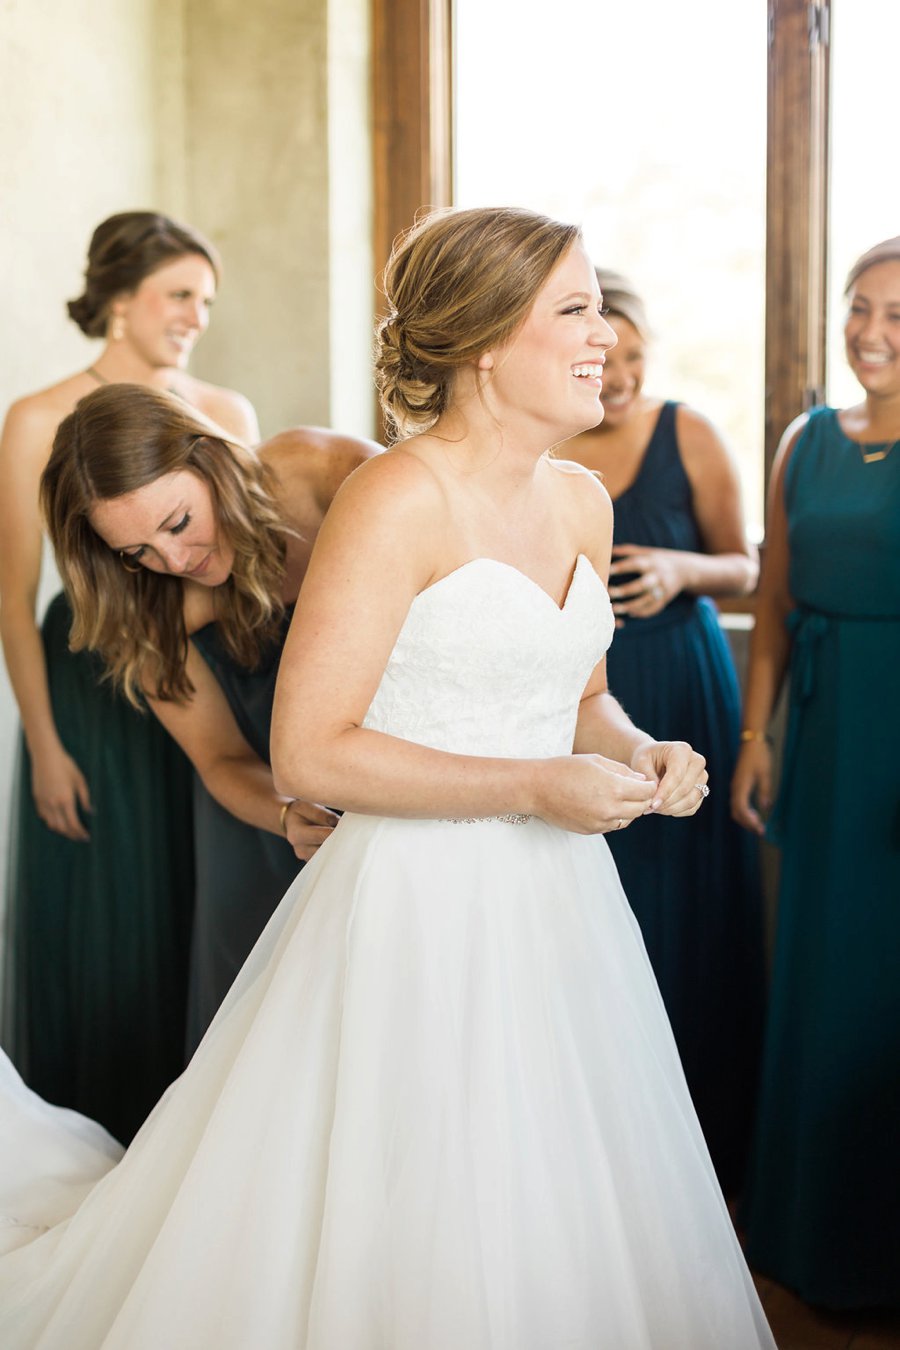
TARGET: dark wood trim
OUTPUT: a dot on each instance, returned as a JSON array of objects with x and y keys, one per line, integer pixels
[
  {"x": 796, "y": 212},
  {"x": 412, "y": 141},
  {"x": 411, "y": 92}
]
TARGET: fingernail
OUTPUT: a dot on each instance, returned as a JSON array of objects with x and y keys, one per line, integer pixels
[{"x": 656, "y": 804}]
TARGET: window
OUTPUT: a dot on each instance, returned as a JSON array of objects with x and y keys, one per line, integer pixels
[
  {"x": 703, "y": 76},
  {"x": 638, "y": 123},
  {"x": 864, "y": 199}
]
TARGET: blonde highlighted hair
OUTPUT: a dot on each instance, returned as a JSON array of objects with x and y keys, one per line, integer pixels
[
  {"x": 119, "y": 439},
  {"x": 457, "y": 284},
  {"x": 620, "y": 297},
  {"x": 888, "y": 250}
]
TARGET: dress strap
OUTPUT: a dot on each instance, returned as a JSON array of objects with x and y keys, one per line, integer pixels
[{"x": 662, "y": 448}]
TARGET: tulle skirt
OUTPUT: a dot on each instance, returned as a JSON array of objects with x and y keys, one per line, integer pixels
[{"x": 441, "y": 1107}]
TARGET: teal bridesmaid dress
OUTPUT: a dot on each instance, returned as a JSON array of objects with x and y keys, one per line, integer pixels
[
  {"x": 242, "y": 872},
  {"x": 98, "y": 933},
  {"x": 822, "y": 1213},
  {"x": 693, "y": 884}
]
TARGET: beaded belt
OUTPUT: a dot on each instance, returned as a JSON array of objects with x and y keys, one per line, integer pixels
[{"x": 512, "y": 818}]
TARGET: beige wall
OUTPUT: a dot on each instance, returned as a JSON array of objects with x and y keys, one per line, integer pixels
[
  {"x": 251, "y": 121},
  {"x": 77, "y": 141},
  {"x": 257, "y": 181},
  {"x": 269, "y": 120}
]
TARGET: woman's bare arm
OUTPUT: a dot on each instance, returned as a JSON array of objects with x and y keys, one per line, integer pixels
[
  {"x": 373, "y": 557},
  {"x": 58, "y": 785},
  {"x": 231, "y": 770},
  {"x": 728, "y": 565},
  {"x": 770, "y": 645}
]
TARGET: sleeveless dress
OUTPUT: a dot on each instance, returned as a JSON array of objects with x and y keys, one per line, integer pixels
[
  {"x": 823, "y": 1210},
  {"x": 242, "y": 872},
  {"x": 440, "y": 1107},
  {"x": 693, "y": 884},
  {"x": 98, "y": 933}
]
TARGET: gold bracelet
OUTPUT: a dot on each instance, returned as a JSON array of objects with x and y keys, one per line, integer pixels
[
  {"x": 285, "y": 807},
  {"x": 749, "y": 735}
]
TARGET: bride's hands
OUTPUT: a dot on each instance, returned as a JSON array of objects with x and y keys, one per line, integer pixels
[
  {"x": 588, "y": 794},
  {"x": 681, "y": 775}
]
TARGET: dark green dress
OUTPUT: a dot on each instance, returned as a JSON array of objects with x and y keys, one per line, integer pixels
[
  {"x": 693, "y": 884},
  {"x": 823, "y": 1208},
  {"x": 242, "y": 872},
  {"x": 98, "y": 933}
]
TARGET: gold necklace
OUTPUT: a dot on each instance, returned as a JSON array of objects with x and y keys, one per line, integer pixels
[{"x": 873, "y": 456}]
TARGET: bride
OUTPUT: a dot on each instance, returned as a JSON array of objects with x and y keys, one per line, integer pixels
[{"x": 441, "y": 1107}]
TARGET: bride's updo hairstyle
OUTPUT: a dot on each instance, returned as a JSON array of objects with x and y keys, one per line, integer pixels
[
  {"x": 126, "y": 248},
  {"x": 121, "y": 438},
  {"x": 457, "y": 284}
]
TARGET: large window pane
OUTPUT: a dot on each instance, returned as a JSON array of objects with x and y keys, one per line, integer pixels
[
  {"x": 647, "y": 124},
  {"x": 864, "y": 191}
]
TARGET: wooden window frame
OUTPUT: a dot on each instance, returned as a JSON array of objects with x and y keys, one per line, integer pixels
[
  {"x": 412, "y": 114},
  {"x": 413, "y": 157},
  {"x": 796, "y": 212}
]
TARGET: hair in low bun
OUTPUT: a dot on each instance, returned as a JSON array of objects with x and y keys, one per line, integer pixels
[
  {"x": 413, "y": 394},
  {"x": 457, "y": 284},
  {"x": 124, "y": 249}
]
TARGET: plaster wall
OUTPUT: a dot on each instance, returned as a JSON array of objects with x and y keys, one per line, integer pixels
[
  {"x": 252, "y": 123},
  {"x": 256, "y": 111},
  {"x": 77, "y": 142}
]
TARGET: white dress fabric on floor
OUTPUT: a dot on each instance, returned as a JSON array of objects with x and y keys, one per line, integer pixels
[{"x": 441, "y": 1107}]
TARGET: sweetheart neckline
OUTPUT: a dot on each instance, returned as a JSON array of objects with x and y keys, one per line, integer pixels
[{"x": 517, "y": 571}]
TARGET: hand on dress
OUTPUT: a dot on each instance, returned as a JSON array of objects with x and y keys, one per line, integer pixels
[
  {"x": 681, "y": 774},
  {"x": 588, "y": 794},
  {"x": 59, "y": 788},
  {"x": 659, "y": 579},
  {"x": 307, "y": 826},
  {"x": 751, "y": 786}
]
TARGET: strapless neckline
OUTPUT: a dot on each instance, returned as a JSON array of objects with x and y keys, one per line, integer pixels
[{"x": 516, "y": 572}]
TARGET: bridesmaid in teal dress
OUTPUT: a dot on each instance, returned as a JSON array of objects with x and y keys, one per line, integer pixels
[
  {"x": 822, "y": 1212},
  {"x": 101, "y": 880},
  {"x": 183, "y": 576},
  {"x": 678, "y": 538},
  {"x": 242, "y": 870}
]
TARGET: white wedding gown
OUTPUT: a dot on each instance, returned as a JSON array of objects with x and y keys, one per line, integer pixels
[{"x": 441, "y": 1108}]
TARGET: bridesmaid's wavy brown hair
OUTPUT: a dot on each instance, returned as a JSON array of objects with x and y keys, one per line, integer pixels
[
  {"x": 119, "y": 439},
  {"x": 457, "y": 284}
]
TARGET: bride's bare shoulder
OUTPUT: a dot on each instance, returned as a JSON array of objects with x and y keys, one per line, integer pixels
[
  {"x": 583, "y": 487},
  {"x": 396, "y": 480}
]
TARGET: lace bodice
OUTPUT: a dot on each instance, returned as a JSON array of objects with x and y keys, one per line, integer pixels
[{"x": 486, "y": 663}]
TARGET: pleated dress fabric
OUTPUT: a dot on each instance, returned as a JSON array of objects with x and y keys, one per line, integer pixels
[
  {"x": 440, "y": 1107},
  {"x": 98, "y": 933},
  {"x": 693, "y": 885},
  {"x": 242, "y": 872},
  {"x": 823, "y": 1208}
]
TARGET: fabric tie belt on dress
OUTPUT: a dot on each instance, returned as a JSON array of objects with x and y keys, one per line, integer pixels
[{"x": 806, "y": 627}]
